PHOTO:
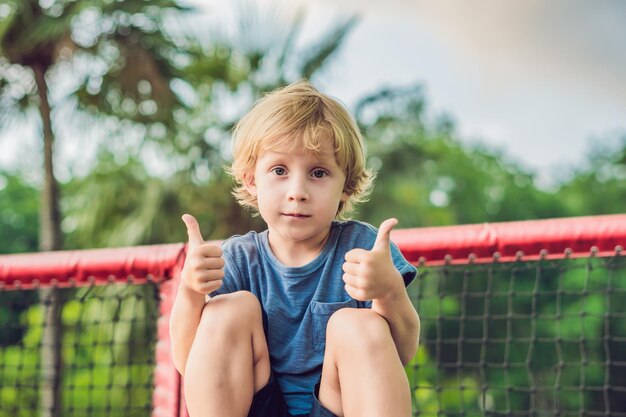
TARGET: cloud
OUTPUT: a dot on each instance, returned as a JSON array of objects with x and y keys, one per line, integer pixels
[
  {"x": 537, "y": 77},
  {"x": 564, "y": 44}
]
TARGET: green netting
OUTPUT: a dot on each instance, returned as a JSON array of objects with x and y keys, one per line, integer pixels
[
  {"x": 106, "y": 357},
  {"x": 499, "y": 339},
  {"x": 521, "y": 339}
]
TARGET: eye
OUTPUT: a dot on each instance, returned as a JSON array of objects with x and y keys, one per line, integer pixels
[
  {"x": 319, "y": 173},
  {"x": 280, "y": 171}
]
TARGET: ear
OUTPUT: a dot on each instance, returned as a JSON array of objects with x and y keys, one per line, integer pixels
[
  {"x": 249, "y": 183},
  {"x": 345, "y": 196}
]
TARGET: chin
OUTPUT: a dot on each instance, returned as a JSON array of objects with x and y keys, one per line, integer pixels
[{"x": 296, "y": 235}]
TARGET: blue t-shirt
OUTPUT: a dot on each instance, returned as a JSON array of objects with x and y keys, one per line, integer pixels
[{"x": 298, "y": 301}]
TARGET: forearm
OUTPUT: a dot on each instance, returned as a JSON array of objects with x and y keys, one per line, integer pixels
[
  {"x": 403, "y": 321},
  {"x": 184, "y": 320}
]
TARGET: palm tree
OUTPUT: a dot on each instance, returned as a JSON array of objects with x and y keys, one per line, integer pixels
[
  {"x": 128, "y": 43},
  {"x": 263, "y": 54}
]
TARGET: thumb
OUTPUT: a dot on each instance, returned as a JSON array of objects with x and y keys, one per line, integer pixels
[
  {"x": 193, "y": 230},
  {"x": 382, "y": 238}
]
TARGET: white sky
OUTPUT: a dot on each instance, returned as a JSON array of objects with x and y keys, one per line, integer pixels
[
  {"x": 543, "y": 80},
  {"x": 539, "y": 79}
]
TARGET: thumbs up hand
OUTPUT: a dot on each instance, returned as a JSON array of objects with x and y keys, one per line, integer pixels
[
  {"x": 371, "y": 275},
  {"x": 204, "y": 266}
]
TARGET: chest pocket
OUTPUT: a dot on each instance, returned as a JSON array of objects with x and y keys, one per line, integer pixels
[{"x": 320, "y": 313}]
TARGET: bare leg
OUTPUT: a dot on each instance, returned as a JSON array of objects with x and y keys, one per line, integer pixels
[
  {"x": 362, "y": 373},
  {"x": 228, "y": 361}
]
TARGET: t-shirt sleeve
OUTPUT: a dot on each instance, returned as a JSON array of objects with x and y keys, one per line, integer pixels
[
  {"x": 232, "y": 281},
  {"x": 408, "y": 271}
]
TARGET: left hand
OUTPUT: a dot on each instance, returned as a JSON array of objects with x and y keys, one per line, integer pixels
[{"x": 371, "y": 275}]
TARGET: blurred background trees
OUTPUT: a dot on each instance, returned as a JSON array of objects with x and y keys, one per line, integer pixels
[
  {"x": 121, "y": 62},
  {"x": 160, "y": 95}
]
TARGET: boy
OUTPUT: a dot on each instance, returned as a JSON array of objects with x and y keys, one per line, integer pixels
[{"x": 310, "y": 317}]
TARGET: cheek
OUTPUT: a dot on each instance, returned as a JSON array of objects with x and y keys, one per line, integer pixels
[{"x": 266, "y": 193}]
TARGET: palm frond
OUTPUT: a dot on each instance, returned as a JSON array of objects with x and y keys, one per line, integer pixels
[
  {"x": 47, "y": 30},
  {"x": 7, "y": 22},
  {"x": 291, "y": 38},
  {"x": 318, "y": 55},
  {"x": 140, "y": 6}
]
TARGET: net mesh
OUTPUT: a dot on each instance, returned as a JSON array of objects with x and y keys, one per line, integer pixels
[
  {"x": 521, "y": 339},
  {"x": 535, "y": 338},
  {"x": 106, "y": 359}
]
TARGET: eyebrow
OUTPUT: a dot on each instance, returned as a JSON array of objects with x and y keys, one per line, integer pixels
[{"x": 326, "y": 158}]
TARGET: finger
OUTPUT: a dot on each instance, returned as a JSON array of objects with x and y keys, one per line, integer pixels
[
  {"x": 383, "y": 238},
  {"x": 352, "y": 280},
  {"x": 193, "y": 230},
  {"x": 210, "y": 275},
  {"x": 350, "y": 268},
  {"x": 210, "y": 250},
  {"x": 356, "y": 255},
  {"x": 355, "y": 293},
  {"x": 210, "y": 263}
]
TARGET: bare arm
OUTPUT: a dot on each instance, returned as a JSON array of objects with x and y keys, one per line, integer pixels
[
  {"x": 202, "y": 274},
  {"x": 403, "y": 320},
  {"x": 371, "y": 275},
  {"x": 184, "y": 321}
]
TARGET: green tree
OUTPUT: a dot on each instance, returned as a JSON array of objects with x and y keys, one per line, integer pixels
[
  {"x": 129, "y": 206},
  {"x": 431, "y": 178},
  {"x": 599, "y": 186},
  {"x": 130, "y": 60},
  {"x": 18, "y": 214}
]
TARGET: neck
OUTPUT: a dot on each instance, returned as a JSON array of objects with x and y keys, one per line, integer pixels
[{"x": 296, "y": 253}]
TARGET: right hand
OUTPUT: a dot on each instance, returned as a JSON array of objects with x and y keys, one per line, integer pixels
[{"x": 203, "y": 271}]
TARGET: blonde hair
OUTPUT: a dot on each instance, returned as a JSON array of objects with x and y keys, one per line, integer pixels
[{"x": 298, "y": 117}]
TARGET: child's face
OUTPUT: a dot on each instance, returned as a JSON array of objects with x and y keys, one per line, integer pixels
[{"x": 298, "y": 193}]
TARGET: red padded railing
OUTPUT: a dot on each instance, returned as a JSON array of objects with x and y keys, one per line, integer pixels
[
  {"x": 553, "y": 238},
  {"x": 530, "y": 240},
  {"x": 90, "y": 266}
]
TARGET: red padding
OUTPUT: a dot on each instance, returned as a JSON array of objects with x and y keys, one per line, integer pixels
[
  {"x": 119, "y": 263},
  {"x": 578, "y": 234}
]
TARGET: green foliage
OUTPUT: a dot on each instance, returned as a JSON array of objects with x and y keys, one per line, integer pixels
[
  {"x": 599, "y": 188},
  {"x": 13, "y": 325},
  {"x": 425, "y": 172},
  {"x": 132, "y": 57},
  {"x": 109, "y": 335},
  {"x": 119, "y": 203},
  {"x": 434, "y": 393},
  {"x": 430, "y": 178},
  {"x": 19, "y": 220},
  {"x": 503, "y": 330}
]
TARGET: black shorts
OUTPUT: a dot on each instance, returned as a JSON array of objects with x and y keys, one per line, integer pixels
[{"x": 269, "y": 402}]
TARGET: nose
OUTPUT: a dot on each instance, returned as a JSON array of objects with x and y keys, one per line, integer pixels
[{"x": 297, "y": 190}]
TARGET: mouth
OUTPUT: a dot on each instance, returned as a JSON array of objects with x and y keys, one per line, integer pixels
[{"x": 296, "y": 215}]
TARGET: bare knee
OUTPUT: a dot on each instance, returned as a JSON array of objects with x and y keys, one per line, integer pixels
[
  {"x": 358, "y": 329},
  {"x": 234, "y": 320},
  {"x": 230, "y": 314}
]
